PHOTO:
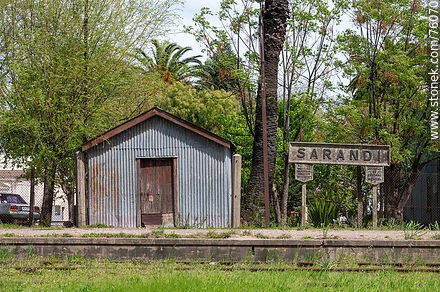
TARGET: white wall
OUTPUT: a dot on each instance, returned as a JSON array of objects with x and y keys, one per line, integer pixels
[{"x": 22, "y": 187}]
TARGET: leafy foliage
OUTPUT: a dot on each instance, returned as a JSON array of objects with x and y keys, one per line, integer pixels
[
  {"x": 63, "y": 68},
  {"x": 386, "y": 98},
  {"x": 168, "y": 61},
  {"x": 322, "y": 213}
]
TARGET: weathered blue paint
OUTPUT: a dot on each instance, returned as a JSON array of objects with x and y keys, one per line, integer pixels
[{"x": 204, "y": 188}]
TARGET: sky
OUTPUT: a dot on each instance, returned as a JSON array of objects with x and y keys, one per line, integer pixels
[{"x": 190, "y": 8}]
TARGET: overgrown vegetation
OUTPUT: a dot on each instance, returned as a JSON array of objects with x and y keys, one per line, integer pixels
[
  {"x": 322, "y": 213},
  {"x": 166, "y": 275}
]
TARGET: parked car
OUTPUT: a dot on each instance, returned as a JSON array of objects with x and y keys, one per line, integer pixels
[{"x": 14, "y": 209}]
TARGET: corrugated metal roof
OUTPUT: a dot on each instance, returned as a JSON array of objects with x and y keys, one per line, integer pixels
[{"x": 156, "y": 111}]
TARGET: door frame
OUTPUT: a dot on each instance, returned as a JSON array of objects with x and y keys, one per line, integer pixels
[{"x": 173, "y": 185}]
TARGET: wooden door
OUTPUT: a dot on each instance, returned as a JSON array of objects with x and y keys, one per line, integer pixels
[{"x": 156, "y": 189}]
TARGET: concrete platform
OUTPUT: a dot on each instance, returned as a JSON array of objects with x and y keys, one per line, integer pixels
[
  {"x": 288, "y": 250},
  {"x": 248, "y": 234}
]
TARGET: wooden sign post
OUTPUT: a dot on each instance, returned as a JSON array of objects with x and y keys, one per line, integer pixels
[
  {"x": 373, "y": 157},
  {"x": 303, "y": 173},
  {"x": 375, "y": 176}
]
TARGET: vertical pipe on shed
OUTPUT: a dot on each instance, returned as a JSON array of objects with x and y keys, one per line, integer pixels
[{"x": 81, "y": 188}]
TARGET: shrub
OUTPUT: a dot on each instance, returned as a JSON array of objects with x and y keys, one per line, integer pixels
[{"x": 322, "y": 213}]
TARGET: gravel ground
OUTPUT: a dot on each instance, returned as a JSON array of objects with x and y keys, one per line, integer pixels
[{"x": 234, "y": 233}]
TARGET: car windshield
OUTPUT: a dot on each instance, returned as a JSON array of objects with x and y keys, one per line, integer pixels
[{"x": 12, "y": 199}]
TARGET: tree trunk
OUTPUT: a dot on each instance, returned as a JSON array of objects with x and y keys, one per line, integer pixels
[
  {"x": 391, "y": 191},
  {"x": 48, "y": 196},
  {"x": 70, "y": 203},
  {"x": 285, "y": 194},
  {"x": 359, "y": 197},
  {"x": 406, "y": 193},
  {"x": 276, "y": 205},
  {"x": 275, "y": 16},
  {"x": 395, "y": 196},
  {"x": 286, "y": 170}
]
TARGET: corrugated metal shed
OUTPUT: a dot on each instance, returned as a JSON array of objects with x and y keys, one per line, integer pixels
[{"x": 204, "y": 192}]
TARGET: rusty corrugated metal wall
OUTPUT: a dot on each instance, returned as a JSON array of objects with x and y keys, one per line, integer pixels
[{"x": 204, "y": 191}]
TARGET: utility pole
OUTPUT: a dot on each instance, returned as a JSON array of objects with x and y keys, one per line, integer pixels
[
  {"x": 32, "y": 197},
  {"x": 264, "y": 122}
]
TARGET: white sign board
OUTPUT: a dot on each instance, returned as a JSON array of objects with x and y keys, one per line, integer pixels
[
  {"x": 374, "y": 175},
  {"x": 343, "y": 154},
  {"x": 303, "y": 172}
]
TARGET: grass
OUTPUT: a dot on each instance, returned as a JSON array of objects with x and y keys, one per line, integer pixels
[
  {"x": 261, "y": 235},
  {"x": 6, "y": 253},
  {"x": 160, "y": 234},
  {"x": 56, "y": 235},
  {"x": 212, "y": 234},
  {"x": 246, "y": 233},
  {"x": 413, "y": 230},
  {"x": 115, "y": 235},
  {"x": 166, "y": 276},
  {"x": 18, "y": 226},
  {"x": 97, "y": 226}
]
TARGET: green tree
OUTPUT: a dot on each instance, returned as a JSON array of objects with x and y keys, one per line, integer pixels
[
  {"x": 63, "y": 68},
  {"x": 168, "y": 61},
  {"x": 216, "y": 110},
  {"x": 241, "y": 31},
  {"x": 306, "y": 68},
  {"x": 217, "y": 73},
  {"x": 387, "y": 101}
]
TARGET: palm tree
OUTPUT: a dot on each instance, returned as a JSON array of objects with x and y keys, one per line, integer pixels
[
  {"x": 168, "y": 61},
  {"x": 217, "y": 71}
]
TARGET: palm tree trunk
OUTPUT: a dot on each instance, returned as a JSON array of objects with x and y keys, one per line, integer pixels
[{"x": 275, "y": 16}]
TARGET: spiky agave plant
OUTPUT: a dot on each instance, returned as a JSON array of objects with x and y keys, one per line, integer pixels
[{"x": 322, "y": 213}]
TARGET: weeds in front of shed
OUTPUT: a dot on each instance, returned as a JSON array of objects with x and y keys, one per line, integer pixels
[
  {"x": 246, "y": 233},
  {"x": 98, "y": 225},
  {"x": 162, "y": 234},
  {"x": 185, "y": 222},
  {"x": 212, "y": 234},
  {"x": 261, "y": 236},
  {"x": 172, "y": 235},
  {"x": 55, "y": 235},
  {"x": 111, "y": 235},
  {"x": 157, "y": 234},
  {"x": 18, "y": 226}
]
